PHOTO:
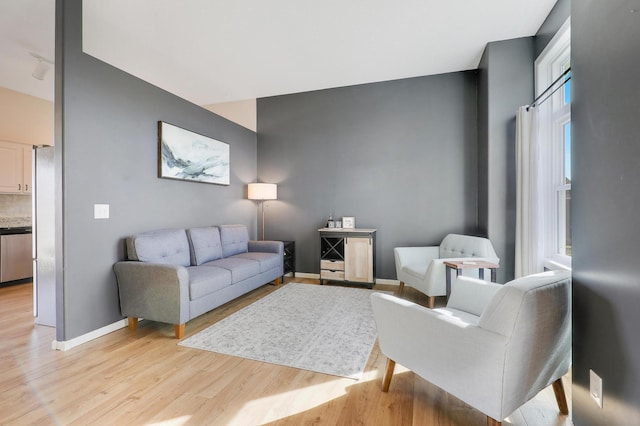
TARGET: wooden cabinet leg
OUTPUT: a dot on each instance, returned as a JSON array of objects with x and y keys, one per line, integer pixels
[
  {"x": 388, "y": 373},
  {"x": 431, "y": 302},
  {"x": 180, "y": 331},
  {"x": 133, "y": 323},
  {"x": 561, "y": 399},
  {"x": 401, "y": 288}
]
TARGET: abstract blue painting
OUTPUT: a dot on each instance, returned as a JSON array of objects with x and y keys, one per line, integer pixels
[{"x": 186, "y": 155}]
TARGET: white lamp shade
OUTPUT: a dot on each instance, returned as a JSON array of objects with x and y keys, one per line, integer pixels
[{"x": 263, "y": 191}]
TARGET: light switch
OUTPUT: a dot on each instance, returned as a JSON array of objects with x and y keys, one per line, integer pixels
[
  {"x": 101, "y": 211},
  {"x": 595, "y": 387}
]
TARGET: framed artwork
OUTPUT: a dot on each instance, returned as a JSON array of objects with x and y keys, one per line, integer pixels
[
  {"x": 185, "y": 155},
  {"x": 348, "y": 222}
]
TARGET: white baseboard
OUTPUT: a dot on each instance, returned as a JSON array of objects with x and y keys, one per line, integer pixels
[
  {"x": 306, "y": 275},
  {"x": 76, "y": 341},
  {"x": 387, "y": 281}
]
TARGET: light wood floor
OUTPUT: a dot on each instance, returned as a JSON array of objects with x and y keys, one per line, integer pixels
[{"x": 144, "y": 378}]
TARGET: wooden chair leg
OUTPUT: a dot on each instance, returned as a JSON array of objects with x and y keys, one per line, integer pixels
[
  {"x": 561, "y": 398},
  {"x": 179, "y": 331},
  {"x": 388, "y": 373},
  {"x": 431, "y": 302},
  {"x": 133, "y": 323},
  {"x": 401, "y": 288},
  {"x": 492, "y": 422}
]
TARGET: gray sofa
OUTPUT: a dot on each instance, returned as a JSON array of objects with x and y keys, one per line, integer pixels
[{"x": 175, "y": 275}]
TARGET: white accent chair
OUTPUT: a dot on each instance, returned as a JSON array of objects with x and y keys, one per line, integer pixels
[
  {"x": 423, "y": 267},
  {"x": 494, "y": 346}
]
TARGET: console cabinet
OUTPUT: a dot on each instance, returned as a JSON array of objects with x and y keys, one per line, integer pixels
[{"x": 347, "y": 255}]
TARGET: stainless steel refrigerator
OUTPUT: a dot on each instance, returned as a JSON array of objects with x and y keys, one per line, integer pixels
[{"x": 43, "y": 225}]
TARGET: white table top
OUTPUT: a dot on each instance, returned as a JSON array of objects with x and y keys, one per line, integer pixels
[{"x": 343, "y": 230}]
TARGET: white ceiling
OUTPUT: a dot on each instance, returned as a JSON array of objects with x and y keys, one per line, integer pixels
[
  {"x": 211, "y": 51},
  {"x": 26, "y": 26}
]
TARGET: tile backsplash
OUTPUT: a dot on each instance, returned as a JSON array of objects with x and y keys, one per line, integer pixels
[{"x": 14, "y": 205}]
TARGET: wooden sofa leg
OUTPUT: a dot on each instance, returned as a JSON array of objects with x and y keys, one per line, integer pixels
[
  {"x": 431, "y": 302},
  {"x": 133, "y": 323},
  {"x": 388, "y": 373},
  {"x": 277, "y": 281},
  {"x": 401, "y": 288},
  {"x": 179, "y": 331},
  {"x": 561, "y": 398},
  {"x": 492, "y": 422}
]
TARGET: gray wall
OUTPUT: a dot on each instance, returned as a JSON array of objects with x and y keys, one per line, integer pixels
[
  {"x": 106, "y": 149},
  {"x": 400, "y": 156},
  {"x": 505, "y": 84},
  {"x": 558, "y": 15},
  {"x": 605, "y": 201}
]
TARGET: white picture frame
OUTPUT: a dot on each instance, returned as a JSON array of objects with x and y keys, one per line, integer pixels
[{"x": 348, "y": 222}]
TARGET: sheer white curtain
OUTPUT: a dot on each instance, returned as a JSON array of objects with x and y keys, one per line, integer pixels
[{"x": 529, "y": 257}]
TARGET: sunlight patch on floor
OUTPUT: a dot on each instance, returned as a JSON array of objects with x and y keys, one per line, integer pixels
[
  {"x": 178, "y": 421},
  {"x": 289, "y": 403},
  {"x": 286, "y": 404}
]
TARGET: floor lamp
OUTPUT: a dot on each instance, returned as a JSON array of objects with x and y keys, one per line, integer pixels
[{"x": 262, "y": 192}]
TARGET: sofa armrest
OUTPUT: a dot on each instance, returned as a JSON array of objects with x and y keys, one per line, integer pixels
[
  {"x": 153, "y": 291},
  {"x": 267, "y": 246}
]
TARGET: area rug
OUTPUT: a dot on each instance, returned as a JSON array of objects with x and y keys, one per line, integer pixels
[{"x": 324, "y": 329}]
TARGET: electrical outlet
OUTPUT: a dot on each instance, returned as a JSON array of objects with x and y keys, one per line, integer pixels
[
  {"x": 595, "y": 387},
  {"x": 101, "y": 211}
]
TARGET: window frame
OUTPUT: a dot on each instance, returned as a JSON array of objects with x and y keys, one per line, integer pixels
[{"x": 554, "y": 114}]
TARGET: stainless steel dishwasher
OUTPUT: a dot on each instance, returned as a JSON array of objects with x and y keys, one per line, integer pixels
[{"x": 16, "y": 257}]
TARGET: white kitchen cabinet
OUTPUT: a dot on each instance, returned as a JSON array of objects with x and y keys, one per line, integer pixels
[
  {"x": 27, "y": 168},
  {"x": 15, "y": 168}
]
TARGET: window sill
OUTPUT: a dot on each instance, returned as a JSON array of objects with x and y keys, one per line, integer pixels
[{"x": 558, "y": 262}]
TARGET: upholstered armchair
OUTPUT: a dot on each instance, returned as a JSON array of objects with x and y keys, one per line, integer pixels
[
  {"x": 423, "y": 267},
  {"x": 493, "y": 346}
]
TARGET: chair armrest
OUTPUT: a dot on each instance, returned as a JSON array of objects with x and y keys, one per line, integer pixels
[
  {"x": 409, "y": 255},
  {"x": 153, "y": 291},
  {"x": 267, "y": 246},
  {"x": 471, "y": 295},
  {"x": 445, "y": 350}
]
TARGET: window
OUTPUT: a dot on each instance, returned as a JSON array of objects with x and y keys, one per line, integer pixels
[{"x": 555, "y": 131}]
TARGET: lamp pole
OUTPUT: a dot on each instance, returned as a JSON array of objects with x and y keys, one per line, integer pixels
[{"x": 262, "y": 202}]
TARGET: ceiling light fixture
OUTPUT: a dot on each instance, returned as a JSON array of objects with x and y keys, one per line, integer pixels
[{"x": 42, "y": 67}]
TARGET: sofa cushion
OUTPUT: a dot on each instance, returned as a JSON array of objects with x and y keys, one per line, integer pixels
[
  {"x": 203, "y": 281},
  {"x": 241, "y": 269},
  {"x": 267, "y": 261},
  {"x": 235, "y": 239},
  {"x": 205, "y": 244},
  {"x": 168, "y": 246}
]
